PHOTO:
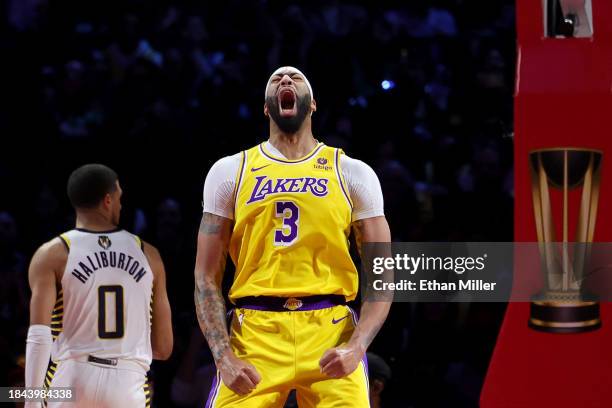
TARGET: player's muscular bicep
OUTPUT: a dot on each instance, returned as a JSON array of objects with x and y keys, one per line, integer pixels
[
  {"x": 46, "y": 266},
  {"x": 211, "y": 224},
  {"x": 213, "y": 243},
  {"x": 215, "y": 227},
  {"x": 375, "y": 229}
]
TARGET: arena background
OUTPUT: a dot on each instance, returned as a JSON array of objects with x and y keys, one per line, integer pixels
[{"x": 159, "y": 90}]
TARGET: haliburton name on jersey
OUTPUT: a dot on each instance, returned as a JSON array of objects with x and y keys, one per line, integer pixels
[{"x": 105, "y": 259}]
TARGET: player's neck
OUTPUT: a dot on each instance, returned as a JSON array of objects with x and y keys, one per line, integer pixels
[
  {"x": 293, "y": 146},
  {"x": 94, "y": 221}
]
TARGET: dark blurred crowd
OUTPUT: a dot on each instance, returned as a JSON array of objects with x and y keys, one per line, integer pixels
[{"x": 159, "y": 90}]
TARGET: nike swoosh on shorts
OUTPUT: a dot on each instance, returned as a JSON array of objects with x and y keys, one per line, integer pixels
[{"x": 334, "y": 321}]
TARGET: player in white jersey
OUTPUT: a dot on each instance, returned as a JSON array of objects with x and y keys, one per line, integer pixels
[{"x": 99, "y": 307}]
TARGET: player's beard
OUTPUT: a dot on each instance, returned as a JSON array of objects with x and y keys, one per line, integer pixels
[{"x": 289, "y": 125}]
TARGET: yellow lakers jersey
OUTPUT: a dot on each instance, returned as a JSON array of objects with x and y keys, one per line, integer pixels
[{"x": 292, "y": 222}]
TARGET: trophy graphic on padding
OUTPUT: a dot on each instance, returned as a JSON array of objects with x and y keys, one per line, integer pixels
[{"x": 564, "y": 305}]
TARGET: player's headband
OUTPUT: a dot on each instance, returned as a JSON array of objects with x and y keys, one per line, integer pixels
[{"x": 292, "y": 70}]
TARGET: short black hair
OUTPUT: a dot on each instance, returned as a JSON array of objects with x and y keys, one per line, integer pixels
[{"x": 89, "y": 184}]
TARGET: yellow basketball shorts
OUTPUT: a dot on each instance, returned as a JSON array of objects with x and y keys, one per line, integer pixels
[{"x": 285, "y": 347}]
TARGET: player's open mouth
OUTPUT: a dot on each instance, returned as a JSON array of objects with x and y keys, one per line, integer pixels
[{"x": 287, "y": 102}]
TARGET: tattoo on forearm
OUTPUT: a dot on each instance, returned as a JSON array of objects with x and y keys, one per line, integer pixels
[
  {"x": 210, "y": 224},
  {"x": 210, "y": 309},
  {"x": 209, "y": 302}
]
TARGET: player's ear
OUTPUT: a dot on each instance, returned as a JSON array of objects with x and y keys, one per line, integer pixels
[
  {"x": 313, "y": 105},
  {"x": 108, "y": 200},
  {"x": 266, "y": 110}
]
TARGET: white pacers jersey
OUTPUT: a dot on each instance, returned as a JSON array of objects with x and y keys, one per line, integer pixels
[{"x": 104, "y": 304}]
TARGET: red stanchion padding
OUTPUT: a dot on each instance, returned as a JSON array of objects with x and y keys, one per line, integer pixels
[{"x": 563, "y": 99}]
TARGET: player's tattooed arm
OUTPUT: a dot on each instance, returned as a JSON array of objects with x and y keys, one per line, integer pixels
[
  {"x": 210, "y": 309},
  {"x": 213, "y": 242},
  {"x": 211, "y": 224},
  {"x": 343, "y": 360}
]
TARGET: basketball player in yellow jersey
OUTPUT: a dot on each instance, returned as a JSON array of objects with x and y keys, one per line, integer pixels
[
  {"x": 283, "y": 210},
  {"x": 99, "y": 306}
]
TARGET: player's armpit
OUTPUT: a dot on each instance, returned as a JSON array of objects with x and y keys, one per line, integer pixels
[
  {"x": 213, "y": 244},
  {"x": 45, "y": 270},
  {"x": 162, "y": 340}
]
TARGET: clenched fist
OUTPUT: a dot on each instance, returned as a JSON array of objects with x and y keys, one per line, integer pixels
[
  {"x": 239, "y": 376},
  {"x": 340, "y": 361}
]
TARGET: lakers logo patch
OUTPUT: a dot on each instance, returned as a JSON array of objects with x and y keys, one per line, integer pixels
[
  {"x": 104, "y": 241},
  {"x": 293, "y": 304}
]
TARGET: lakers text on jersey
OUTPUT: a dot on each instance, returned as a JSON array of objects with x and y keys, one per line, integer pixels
[{"x": 292, "y": 222}]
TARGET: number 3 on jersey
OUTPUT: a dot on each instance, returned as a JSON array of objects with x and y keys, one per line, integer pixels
[
  {"x": 290, "y": 213},
  {"x": 105, "y": 293}
]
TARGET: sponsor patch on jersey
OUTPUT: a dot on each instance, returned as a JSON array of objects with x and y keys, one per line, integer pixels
[
  {"x": 104, "y": 241},
  {"x": 321, "y": 164}
]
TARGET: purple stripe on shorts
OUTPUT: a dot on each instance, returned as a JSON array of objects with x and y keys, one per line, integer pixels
[
  {"x": 365, "y": 367},
  {"x": 364, "y": 360},
  {"x": 212, "y": 395},
  {"x": 367, "y": 376},
  {"x": 354, "y": 316}
]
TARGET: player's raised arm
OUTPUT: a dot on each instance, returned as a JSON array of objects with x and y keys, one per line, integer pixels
[
  {"x": 48, "y": 260},
  {"x": 162, "y": 339},
  {"x": 213, "y": 243}
]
